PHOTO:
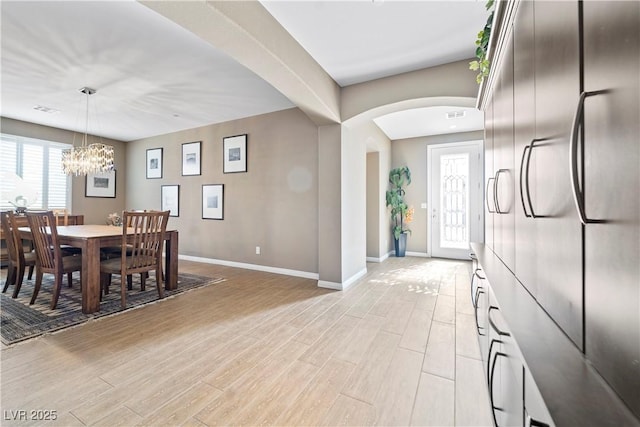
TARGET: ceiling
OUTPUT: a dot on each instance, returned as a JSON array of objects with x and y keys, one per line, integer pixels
[{"x": 153, "y": 77}]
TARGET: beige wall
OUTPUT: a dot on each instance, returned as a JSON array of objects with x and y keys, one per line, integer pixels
[
  {"x": 445, "y": 83},
  {"x": 95, "y": 210},
  {"x": 354, "y": 204},
  {"x": 274, "y": 205},
  {"x": 329, "y": 206},
  {"x": 373, "y": 205},
  {"x": 413, "y": 153}
]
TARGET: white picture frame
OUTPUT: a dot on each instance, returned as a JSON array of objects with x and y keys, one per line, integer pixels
[
  {"x": 191, "y": 158},
  {"x": 154, "y": 163},
  {"x": 170, "y": 199},
  {"x": 235, "y": 153},
  {"x": 213, "y": 201},
  {"x": 101, "y": 185}
]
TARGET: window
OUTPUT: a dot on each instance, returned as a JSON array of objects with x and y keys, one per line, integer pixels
[{"x": 31, "y": 173}]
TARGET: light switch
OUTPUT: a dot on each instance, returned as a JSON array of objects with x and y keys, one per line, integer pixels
[{"x": 423, "y": 206}]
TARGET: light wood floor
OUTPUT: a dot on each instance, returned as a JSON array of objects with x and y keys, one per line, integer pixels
[{"x": 397, "y": 348}]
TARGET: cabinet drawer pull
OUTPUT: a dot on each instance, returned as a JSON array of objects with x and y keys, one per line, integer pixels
[
  {"x": 493, "y": 325},
  {"x": 493, "y": 371},
  {"x": 478, "y": 327}
]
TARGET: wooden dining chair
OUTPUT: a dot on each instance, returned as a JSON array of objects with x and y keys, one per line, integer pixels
[
  {"x": 49, "y": 256},
  {"x": 18, "y": 258},
  {"x": 62, "y": 219},
  {"x": 141, "y": 251}
]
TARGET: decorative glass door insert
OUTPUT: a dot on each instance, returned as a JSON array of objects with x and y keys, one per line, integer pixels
[{"x": 454, "y": 201}]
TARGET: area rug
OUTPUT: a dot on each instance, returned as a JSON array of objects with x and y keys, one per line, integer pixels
[{"x": 20, "y": 321}]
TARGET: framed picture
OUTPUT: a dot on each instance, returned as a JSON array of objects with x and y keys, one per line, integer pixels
[
  {"x": 191, "y": 161},
  {"x": 101, "y": 185},
  {"x": 235, "y": 153},
  {"x": 213, "y": 201},
  {"x": 170, "y": 199},
  {"x": 154, "y": 163}
]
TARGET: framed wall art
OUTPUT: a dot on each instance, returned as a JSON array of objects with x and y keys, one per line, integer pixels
[
  {"x": 154, "y": 163},
  {"x": 101, "y": 185},
  {"x": 170, "y": 199},
  {"x": 213, "y": 201},
  {"x": 191, "y": 161},
  {"x": 235, "y": 153}
]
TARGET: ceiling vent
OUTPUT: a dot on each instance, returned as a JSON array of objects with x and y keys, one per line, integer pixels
[
  {"x": 456, "y": 114},
  {"x": 46, "y": 109}
]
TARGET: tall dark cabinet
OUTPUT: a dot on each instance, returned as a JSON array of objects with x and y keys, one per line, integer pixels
[
  {"x": 562, "y": 127},
  {"x": 611, "y": 124},
  {"x": 559, "y": 236}
]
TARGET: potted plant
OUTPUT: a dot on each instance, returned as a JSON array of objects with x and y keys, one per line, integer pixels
[{"x": 401, "y": 214}]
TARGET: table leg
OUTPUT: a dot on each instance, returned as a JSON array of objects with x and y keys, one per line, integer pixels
[
  {"x": 91, "y": 276},
  {"x": 171, "y": 262}
]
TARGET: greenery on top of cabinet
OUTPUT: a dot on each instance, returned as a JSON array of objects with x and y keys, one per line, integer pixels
[{"x": 482, "y": 64}]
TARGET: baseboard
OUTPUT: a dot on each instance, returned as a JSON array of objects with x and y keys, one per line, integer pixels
[
  {"x": 381, "y": 259},
  {"x": 418, "y": 254},
  {"x": 330, "y": 285},
  {"x": 266, "y": 268},
  {"x": 344, "y": 285}
]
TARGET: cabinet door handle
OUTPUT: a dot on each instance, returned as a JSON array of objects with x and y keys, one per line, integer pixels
[
  {"x": 496, "y": 199},
  {"x": 524, "y": 152},
  {"x": 478, "y": 293},
  {"x": 532, "y": 422},
  {"x": 487, "y": 196},
  {"x": 493, "y": 325},
  {"x": 476, "y": 273},
  {"x": 493, "y": 341},
  {"x": 532, "y": 145},
  {"x": 578, "y": 194},
  {"x": 493, "y": 371}
]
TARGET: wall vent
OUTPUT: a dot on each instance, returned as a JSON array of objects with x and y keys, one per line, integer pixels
[{"x": 455, "y": 114}]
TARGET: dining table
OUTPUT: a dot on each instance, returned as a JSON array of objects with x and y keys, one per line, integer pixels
[{"x": 90, "y": 238}]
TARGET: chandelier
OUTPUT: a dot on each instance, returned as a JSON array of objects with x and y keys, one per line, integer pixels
[{"x": 87, "y": 158}]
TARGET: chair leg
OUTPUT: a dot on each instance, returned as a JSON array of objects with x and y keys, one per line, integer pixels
[
  {"x": 11, "y": 275},
  {"x": 159, "y": 283},
  {"x": 143, "y": 280},
  {"x": 56, "y": 291},
  {"x": 36, "y": 288},
  {"x": 70, "y": 279},
  {"x": 30, "y": 272},
  {"x": 129, "y": 282},
  {"x": 18, "y": 281},
  {"x": 123, "y": 293}
]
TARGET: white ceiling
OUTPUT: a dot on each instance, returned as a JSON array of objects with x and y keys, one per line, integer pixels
[
  {"x": 358, "y": 41},
  {"x": 430, "y": 121},
  {"x": 153, "y": 77}
]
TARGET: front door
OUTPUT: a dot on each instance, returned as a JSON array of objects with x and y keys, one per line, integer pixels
[{"x": 455, "y": 198}]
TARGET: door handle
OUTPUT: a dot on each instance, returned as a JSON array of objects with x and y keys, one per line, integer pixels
[{"x": 578, "y": 193}]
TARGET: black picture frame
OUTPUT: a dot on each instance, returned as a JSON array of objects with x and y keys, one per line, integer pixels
[
  {"x": 192, "y": 158},
  {"x": 213, "y": 201},
  {"x": 154, "y": 163},
  {"x": 102, "y": 185},
  {"x": 170, "y": 199},
  {"x": 234, "y": 154}
]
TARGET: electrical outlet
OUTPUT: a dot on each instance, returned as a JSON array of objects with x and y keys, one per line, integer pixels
[{"x": 257, "y": 250}]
